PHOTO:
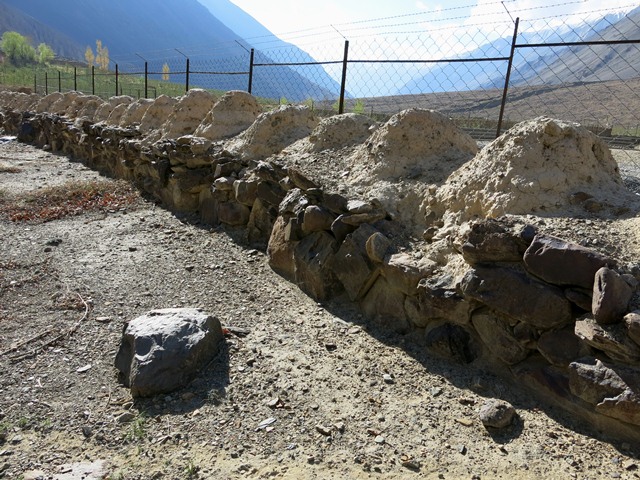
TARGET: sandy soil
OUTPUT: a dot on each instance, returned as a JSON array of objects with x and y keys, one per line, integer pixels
[{"x": 343, "y": 399}]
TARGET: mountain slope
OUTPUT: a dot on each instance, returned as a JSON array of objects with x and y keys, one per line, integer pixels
[
  {"x": 155, "y": 29},
  {"x": 14, "y": 20},
  {"x": 539, "y": 65},
  {"x": 258, "y": 36}
]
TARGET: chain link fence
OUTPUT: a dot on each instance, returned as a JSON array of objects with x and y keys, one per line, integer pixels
[{"x": 487, "y": 72}]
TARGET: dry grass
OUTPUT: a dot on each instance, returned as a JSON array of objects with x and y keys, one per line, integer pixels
[{"x": 69, "y": 199}]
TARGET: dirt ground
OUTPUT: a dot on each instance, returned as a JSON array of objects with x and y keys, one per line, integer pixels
[{"x": 301, "y": 390}]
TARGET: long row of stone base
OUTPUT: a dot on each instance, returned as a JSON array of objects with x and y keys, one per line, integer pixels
[{"x": 551, "y": 315}]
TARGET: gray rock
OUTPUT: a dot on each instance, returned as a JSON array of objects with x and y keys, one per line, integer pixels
[
  {"x": 611, "y": 296},
  {"x": 437, "y": 299},
  {"x": 451, "y": 342},
  {"x": 352, "y": 265},
  {"x": 611, "y": 339},
  {"x": 632, "y": 323},
  {"x": 497, "y": 335},
  {"x": 497, "y": 413},
  {"x": 516, "y": 295},
  {"x": 162, "y": 350},
  {"x": 317, "y": 219},
  {"x": 312, "y": 259},
  {"x": 561, "y": 347},
  {"x": 488, "y": 241},
  {"x": 233, "y": 213},
  {"x": 377, "y": 246},
  {"x": 612, "y": 389},
  {"x": 563, "y": 263},
  {"x": 245, "y": 191}
]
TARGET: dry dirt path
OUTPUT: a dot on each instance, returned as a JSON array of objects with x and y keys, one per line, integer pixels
[{"x": 343, "y": 400}]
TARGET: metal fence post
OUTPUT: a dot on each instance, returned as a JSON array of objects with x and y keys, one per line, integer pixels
[
  {"x": 507, "y": 77},
  {"x": 59, "y": 82},
  {"x": 187, "y": 77},
  {"x": 35, "y": 82},
  {"x": 75, "y": 79},
  {"x": 343, "y": 84},
  {"x": 146, "y": 79},
  {"x": 116, "y": 79},
  {"x": 93, "y": 79},
  {"x": 251, "y": 56},
  {"x": 46, "y": 83}
]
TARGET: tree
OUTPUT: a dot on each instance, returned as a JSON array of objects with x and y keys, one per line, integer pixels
[
  {"x": 102, "y": 55},
  {"x": 17, "y": 49},
  {"x": 165, "y": 71},
  {"x": 89, "y": 57},
  {"x": 45, "y": 54}
]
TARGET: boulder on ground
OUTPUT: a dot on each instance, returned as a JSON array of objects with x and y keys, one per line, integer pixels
[{"x": 162, "y": 350}]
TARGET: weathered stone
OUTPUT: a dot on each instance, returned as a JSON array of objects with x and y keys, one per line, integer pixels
[
  {"x": 632, "y": 323},
  {"x": 613, "y": 389},
  {"x": 280, "y": 251},
  {"x": 270, "y": 192},
  {"x": 341, "y": 229},
  {"x": 611, "y": 296},
  {"x": 260, "y": 223},
  {"x": 437, "y": 299},
  {"x": 611, "y": 339},
  {"x": 527, "y": 335},
  {"x": 233, "y": 213},
  {"x": 357, "y": 219},
  {"x": 227, "y": 168},
  {"x": 561, "y": 347},
  {"x": 496, "y": 413},
  {"x": 294, "y": 203},
  {"x": 209, "y": 210},
  {"x": 385, "y": 306},
  {"x": 358, "y": 206},
  {"x": 224, "y": 183},
  {"x": 498, "y": 337},
  {"x": 162, "y": 350},
  {"x": 352, "y": 265},
  {"x": 377, "y": 246},
  {"x": 313, "y": 272},
  {"x": 516, "y": 295},
  {"x": 299, "y": 180},
  {"x": 451, "y": 342},
  {"x": 317, "y": 219},
  {"x": 245, "y": 191},
  {"x": 403, "y": 272},
  {"x": 489, "y": 241},
  {"x": 335, "y": 202},
  {"x": 580, "y": 297},
  {"x": 563, "y": 263}
]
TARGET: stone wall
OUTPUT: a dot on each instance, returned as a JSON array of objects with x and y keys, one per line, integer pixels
[{"x": 550, "y": 314}]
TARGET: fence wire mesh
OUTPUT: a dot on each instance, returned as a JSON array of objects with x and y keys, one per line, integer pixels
[{"x": 584, "y": 69}]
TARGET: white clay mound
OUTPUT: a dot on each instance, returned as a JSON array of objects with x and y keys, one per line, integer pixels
[
  {"x": 102, "y": 113},
  {"x": 133, "y": 113},
  {"x": 233, "y": 113},
  {"x": 188, "y": 113},
  {"x": 84, "y": 106},
  {"x": 414, "y": 143},
  {"x": 273, "y": 131},
  {"x": 537, "y": 167},
  {"x": 338, "y": 131},
  {"x": 156, "y": 115}
]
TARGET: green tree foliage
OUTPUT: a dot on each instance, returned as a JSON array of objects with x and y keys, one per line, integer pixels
[
  {"x": 165, "y": 72},
  {"x": 45, "y": 54},
  {"x": 17, "y": 49},
  {"x": 102, "y": 55},
  {"x": 358, "y": 107},
  {"x": 89, "y": 57}
]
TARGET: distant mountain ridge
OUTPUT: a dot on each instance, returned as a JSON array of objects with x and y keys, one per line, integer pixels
[
  {"x": 542, "y": 66},
  {"x": 126, "y": 27}
]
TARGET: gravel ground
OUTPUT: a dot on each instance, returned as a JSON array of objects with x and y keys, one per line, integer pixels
[{"x": 342, "y": 399}]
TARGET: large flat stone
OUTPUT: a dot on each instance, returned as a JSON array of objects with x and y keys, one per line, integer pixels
[
  {"x": 611, "y": 339},
  {"x": 518, "y": 296},
  {"x": 563, "y": 263},
  {"x": 162, "y": 350}
]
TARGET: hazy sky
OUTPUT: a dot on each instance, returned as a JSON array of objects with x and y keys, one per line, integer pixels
[{"x": 283, "y": 16}]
